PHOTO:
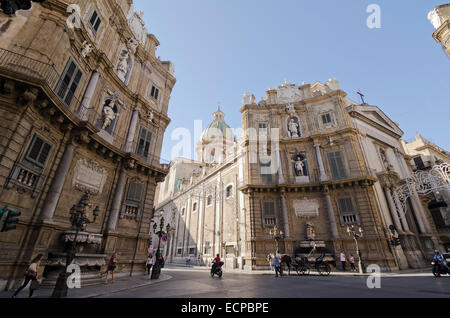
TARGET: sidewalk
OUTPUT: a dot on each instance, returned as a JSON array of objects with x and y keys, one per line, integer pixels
[
  {"x": 120, "y": 284},
  {"x": 405, "y": 273}
]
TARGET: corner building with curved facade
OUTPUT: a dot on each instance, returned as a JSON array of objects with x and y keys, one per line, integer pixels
[
  {"x": 83, "y": 107},
  {"x": 310, "y": 162}
]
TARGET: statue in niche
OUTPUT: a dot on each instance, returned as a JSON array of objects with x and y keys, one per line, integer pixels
[
  {"x": 310, "y": 232},
  {"x": 300, "y": 166},
  {"x": 294, "y": 128},
  {"x": 384, "y": 158},
  {"x": 109, "y": 115},
  {"x": 122, "y": 67}
]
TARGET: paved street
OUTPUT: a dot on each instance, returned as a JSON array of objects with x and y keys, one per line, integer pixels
[
  {"x": 198, "y": 284},
  {"x": 181, "y": 282}
]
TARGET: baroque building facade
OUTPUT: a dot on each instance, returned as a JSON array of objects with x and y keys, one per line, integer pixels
[
  {"x": 310, "y": 162},
  {"x": 427, "y": 156},
  {"x": 83, "y": 102}
]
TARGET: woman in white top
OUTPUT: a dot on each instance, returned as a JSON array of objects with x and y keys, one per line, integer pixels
[
  {"x": 149, "y": 263},
  {"x": 30, "y": 275}
]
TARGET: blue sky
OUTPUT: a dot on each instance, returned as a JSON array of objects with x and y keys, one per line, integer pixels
[{"x": 224, "y": 48}]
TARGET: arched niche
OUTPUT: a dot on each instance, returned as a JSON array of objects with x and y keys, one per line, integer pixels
[{"x": 295, "y": 119}]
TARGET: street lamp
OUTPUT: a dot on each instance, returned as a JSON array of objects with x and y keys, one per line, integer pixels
[
  {"x": 79, "y": 221},
  {"x": 278, "y": 236},
  {"x": 157, "y": 266},
  {"x": 357, "y": 234}
]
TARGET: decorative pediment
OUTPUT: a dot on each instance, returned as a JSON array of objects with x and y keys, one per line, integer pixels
[{"x": 375, "y": 115}]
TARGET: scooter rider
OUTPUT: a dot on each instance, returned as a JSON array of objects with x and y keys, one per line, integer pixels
[
  {"x": 217, "y": 262},
  {"x": 439, "y": 258}
]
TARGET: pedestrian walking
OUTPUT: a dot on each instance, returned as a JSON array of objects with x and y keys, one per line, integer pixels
[
  {"x": 161, "y": 261},
  {"x": 111, "y": 268},
  {"x": 31, "y": 275},
  {"x": 149, "y": 263},
  {"x": 343, "y": 261},
  {"x": 270, "y": 260},
  {"x": 277, "y": 265},
  {"x": 352, "y": 262},
  {"x": 188, "y": 261}
]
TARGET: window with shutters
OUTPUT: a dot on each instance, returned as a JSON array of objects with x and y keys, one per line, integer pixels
[
  {"x": 37, "y": 153},
  {"x": 144, "y": 143},
  {"x": 69, "y": 82},
  {"x": 337, "y": 167},
  {"x": 326, "y": 119},
  {"x": 95, "y": 21},
  {"x": 262, "y": 129},
  {"x": 269, "y": 218},
  {"x": 154, "y": 93},
  {"x": 132, "y": 204},
  {"x": 348, "y": 212}
]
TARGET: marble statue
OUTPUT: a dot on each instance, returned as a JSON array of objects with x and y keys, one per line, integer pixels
[
  {"x": 87, "y": 49},
  {"x": 310, "y": 232},
  {"x": 248, "y": 99},
  {"x": 435, "y": 19},
  {"x": 132, "y": 45},
  {"x": 150, "y": 116},
  {"x": 122, "y": 67},
  {"x": 300, "y": 167},
  {"x": 293, "y": 128},
  {"x": 108, "y": 115}
]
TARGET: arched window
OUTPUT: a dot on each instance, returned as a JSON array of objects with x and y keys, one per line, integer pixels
[{"x": 194, "y": 207}]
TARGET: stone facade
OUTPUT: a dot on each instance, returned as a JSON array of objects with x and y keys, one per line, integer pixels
[
  {"x": 310, "y": 161},
  {"x": 426, "y": 155},
  {"x": 83, "y": 102}
]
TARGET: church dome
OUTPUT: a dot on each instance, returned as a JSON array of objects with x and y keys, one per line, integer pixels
[{"x": 218, "y": 128}]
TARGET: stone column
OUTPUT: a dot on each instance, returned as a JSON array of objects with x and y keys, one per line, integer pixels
[
  {"x": 200, "y": 224},
  {"x": 132, "y": 131},
  {"x": 334, "y": 231},
  {"x": 420, "y": 214},
  {"x": 323, "y": 175},
  {"x": 175, "y": 242},
  {"x": 86, "y": 103},
  {"x": 394, "y": 211},
  {"x": 218, "y": 245},
  {"x": 115, "y": 208},
  {"x": 281, "y": 179},
  {"x": 56, "y": 187},
  {"x": 186, "y": 234},
  {"x": 285, "y": 215}
]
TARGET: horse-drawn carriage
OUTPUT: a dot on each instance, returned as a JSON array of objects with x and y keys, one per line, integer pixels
[{"x": 302, "y": 264}]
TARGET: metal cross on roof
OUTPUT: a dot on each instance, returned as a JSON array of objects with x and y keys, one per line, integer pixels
[{"x": 362, "y": 97}]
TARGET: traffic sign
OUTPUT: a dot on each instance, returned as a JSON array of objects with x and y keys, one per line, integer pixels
[{"x": 165, "y": 238}]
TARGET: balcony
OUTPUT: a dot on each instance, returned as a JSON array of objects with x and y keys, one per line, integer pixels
[
  {"x": 45, "y": 75},
  {"x": 26, "y": 179}
]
